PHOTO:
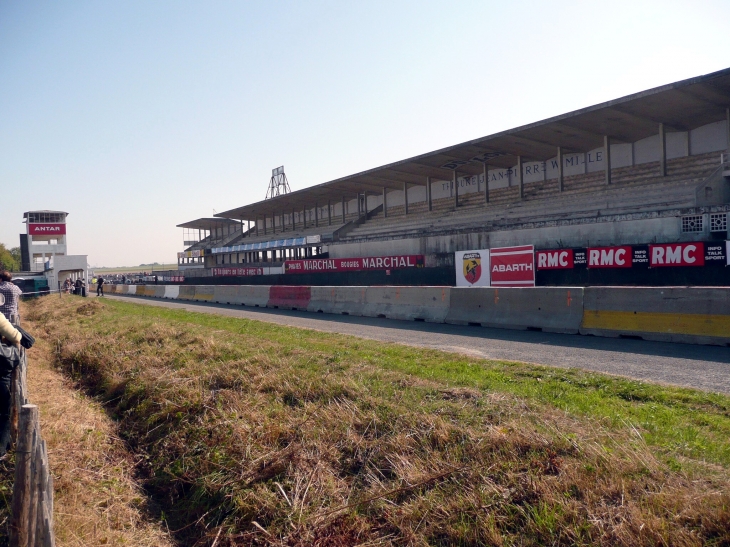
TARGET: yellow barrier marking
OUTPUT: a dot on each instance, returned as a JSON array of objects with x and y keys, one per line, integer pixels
[{"x": 670, "y": 323}]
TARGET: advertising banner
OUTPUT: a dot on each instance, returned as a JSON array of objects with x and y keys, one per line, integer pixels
[
  {"x": 46, "y": 229},
  {"x": 609, "y": 257},
  {"x": 353, "y": 264},
  {"x": 237, "y": 271},
  {"x": 512, "y": 266},
  {"x": 716, "y": 253},
  {"x": 472, "y": 268},
  {"x": 677, "y": 254},
  {"x": 173, "y": 279},
  {"x": 559, "y": 259}
]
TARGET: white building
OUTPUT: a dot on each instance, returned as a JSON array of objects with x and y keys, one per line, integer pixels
[{"x": 43, "y": 248}]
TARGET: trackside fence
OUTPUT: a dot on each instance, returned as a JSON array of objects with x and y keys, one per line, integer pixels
[{"x": 31, "y": 522}]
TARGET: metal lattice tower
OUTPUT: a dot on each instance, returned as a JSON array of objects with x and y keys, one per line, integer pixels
[{"x": 278, "y": 184}]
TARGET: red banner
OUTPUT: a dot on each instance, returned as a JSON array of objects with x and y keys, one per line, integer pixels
[
  {"x": 677, "y": 254},
  {"x": 610, "y": 257},
  {"x": 316, "y": 265},
  {"x": 46, "y": 229},
  {"x": 561, "y": 259},
  {"x": 512, "y": 266},
  {"x": 237, "y": 271}
]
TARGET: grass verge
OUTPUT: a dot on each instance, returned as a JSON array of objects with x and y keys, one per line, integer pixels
[
  {"x": 97, "y": 499},
  {"x": 253, "y": 433}
]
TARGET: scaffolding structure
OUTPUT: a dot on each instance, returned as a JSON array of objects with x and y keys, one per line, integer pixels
[{"x": 278, "y": 184}]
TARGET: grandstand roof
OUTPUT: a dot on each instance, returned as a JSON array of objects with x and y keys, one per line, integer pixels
[
  {"x": 680, "y": 106},
  {"x": 207, "y": 223}
]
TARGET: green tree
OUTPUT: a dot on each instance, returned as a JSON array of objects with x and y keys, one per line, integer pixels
[
  {"x": 7, "y": 260},
  {"x": 15, "y": 251}
]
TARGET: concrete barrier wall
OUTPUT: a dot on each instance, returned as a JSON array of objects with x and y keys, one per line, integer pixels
[
  {"x": 408, "y": 303},
  {"x": 187, "y": 292},
  {"x": 246, "y": 295},
  {"x": 289, "y": 297},
  {"x": 254, "y": 295},
  {"x": 696, "y": 315},
  {"x": 171, "y": 291},
  {"x": 340, "y": 300},
  {"x": 551, "y": 309},
  {"x": 204, "y": 293},
  {"x": 676, "y": 314}
]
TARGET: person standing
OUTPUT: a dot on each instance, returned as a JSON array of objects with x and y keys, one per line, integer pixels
[
  {"x": 100, "y": 286},
  {"x": 13, "y": 337},
  {"x": 12, "y": 293}
]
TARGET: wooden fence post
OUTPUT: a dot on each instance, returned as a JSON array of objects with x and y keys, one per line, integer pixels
[
  {"x": 18, "y": 392},
  {"x": 22, "y": 489}
]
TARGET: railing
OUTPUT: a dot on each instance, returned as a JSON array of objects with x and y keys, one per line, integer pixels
[{"x": 31, "y": 522}]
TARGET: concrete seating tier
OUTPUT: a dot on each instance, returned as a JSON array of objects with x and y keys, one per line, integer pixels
[
  {"x": 299, "y": 231},
  {"x": 633, "y": 189}
]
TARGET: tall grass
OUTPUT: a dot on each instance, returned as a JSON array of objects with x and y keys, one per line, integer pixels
[{"x": 254, "y": 433}]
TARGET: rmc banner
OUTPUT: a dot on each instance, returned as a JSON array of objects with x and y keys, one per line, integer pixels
[{"x": 472, "y": 268}]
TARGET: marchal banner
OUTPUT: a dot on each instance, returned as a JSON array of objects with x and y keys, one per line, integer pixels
[
  {"x": 472, "y": 268},
  {"x": 353, "y": 264}
]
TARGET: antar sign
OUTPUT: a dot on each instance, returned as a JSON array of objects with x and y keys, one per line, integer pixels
[
  {"x": 512, "y": 266},
  {"x": 46, "y": 229}
]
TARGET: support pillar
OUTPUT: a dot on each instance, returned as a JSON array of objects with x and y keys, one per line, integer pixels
[
  {"x": 429, "y": 197},
  {"x": 329, "y": 213},
  {"x": 727, "y": 127},
  {"x": 560, "y": 169},
  {"x": 405, "y": 196},
  {"x": 304, "y": 218},
  {"x": 607, "y": 157},
  {"x": 385, "y": 203},
  {"x": 456, "y": 189},
  {"x": 486, "y": 182},
  {"x": 316, "y": 215},
  {"x": 343, "y": 209},
  {"x": 519, "y": 177},
  {"x": 365, "y": 204},
  {"x": 257, "y": 227},
  {"x": 663, "y": 151},
  {"x": 283, "y": 222}
]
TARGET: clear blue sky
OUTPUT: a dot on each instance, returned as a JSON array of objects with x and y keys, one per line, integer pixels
[{"x": 137, "y": 116}]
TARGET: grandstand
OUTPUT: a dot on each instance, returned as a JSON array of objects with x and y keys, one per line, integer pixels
[{"x": 647, "y": 168}]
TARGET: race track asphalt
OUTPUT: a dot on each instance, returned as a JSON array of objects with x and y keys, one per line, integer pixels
[{"x": 701, "y": 367}]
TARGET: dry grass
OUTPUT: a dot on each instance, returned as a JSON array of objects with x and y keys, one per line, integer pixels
[
  {"x": 97, "y": 499},
  {"x": 263, "y": 435}
]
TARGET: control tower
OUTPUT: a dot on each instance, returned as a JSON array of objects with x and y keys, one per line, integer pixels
[{"x": 44, "y": 238}]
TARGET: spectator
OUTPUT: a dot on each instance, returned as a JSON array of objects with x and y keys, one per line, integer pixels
[
  {"x": 100, "y": 286},
  {"x": 11, "y": 334},
  {"x": 12, "y": 293},
  {"x": 77, "y": 287}
]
